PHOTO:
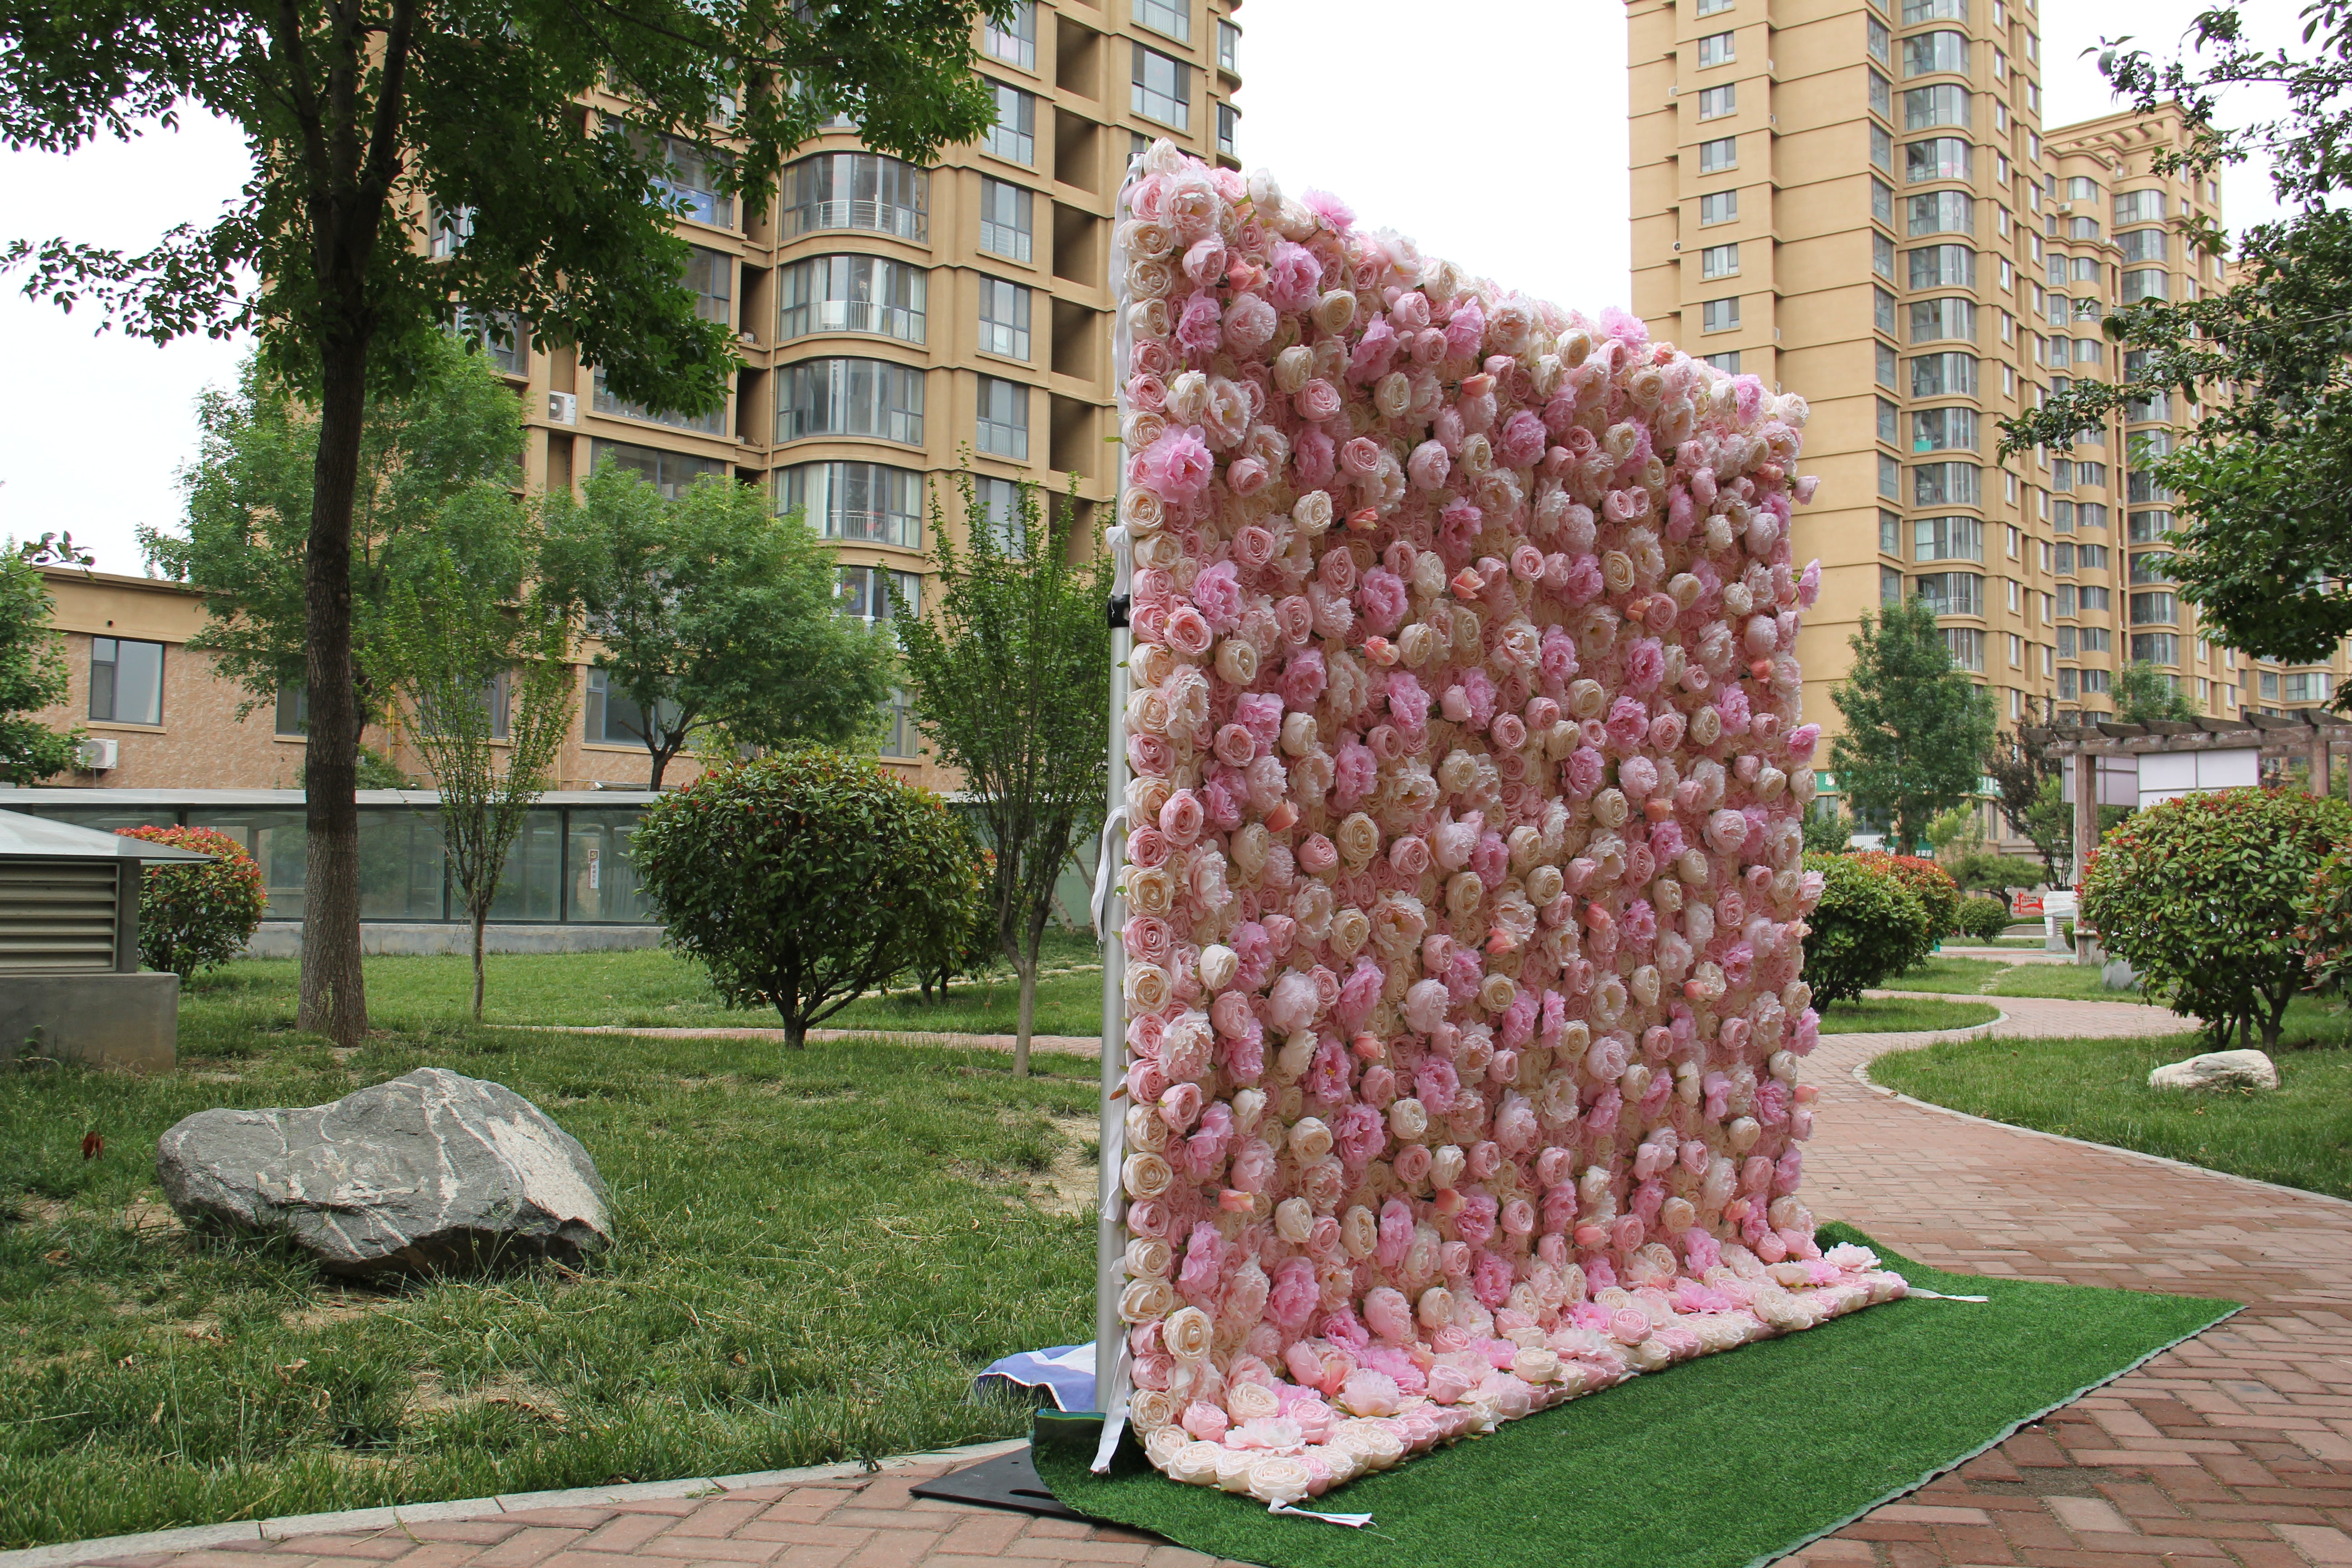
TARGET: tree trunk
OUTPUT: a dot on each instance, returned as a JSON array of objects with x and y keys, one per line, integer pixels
[
  {"x": 1026, "y": 967},
  {"x": 795, "y": 1031},
  {"x": 478, "y": 919},
  {"x": 333, "y": 995}
]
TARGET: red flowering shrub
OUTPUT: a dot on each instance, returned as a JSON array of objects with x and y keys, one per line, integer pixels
[
  {"x": 1925, "y": 882},
  {"x": 190, "y": 916}
]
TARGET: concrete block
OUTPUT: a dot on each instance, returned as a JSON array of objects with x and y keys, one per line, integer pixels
[{"x": 107, "y": 1020}]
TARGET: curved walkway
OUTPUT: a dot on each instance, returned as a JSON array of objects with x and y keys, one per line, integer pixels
[{"x": 2232, "y": 1448}]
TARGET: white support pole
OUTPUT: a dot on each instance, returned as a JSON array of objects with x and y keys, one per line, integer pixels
[{"x": 1111, "y": 1230}]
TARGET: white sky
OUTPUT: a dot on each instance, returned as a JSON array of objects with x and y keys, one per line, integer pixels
[{"x": 1520, "y": 177}]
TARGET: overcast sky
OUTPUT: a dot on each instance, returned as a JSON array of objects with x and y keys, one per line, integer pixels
[{"x": 1515, "y": 168}]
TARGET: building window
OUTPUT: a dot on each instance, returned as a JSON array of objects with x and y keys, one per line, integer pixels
[
  {"x": 670, "y": 473},
  {"x": 1890, "y": 586},
  {"x": 1882, "y": 310},
  {"x": 2138, "y": 207},
  {"x": 1881, "y": 147},
  {"x": 604, "y": 402},
  {"x": 1713, "y": 7},
  {"x": 1966, "y": 645},
  {"x": 449, "y": 229},
  {"x": 293, "y": 711},
  {"x": 1882, "y": 256},
  {"x": 1947, "y": 318},
  {"x": 499, "y": 337},
  {"x": 1890, "y": 532},
  {"x": 1924, "y": 53},
  {"x": 851, "y": 294},
  {"x": 1882, "y": 201},
  {"x": 879, "y": 593},
  {"x": 1014, "y": 137},
  {"x": 2307, "y": 686},
  {"x": 1918, "y": 11},
  {"x": 1890, "y": 478},
  {"x": 1717, "y": 49},
  {"x": 1944, "y": 430},
  {"x": 1938, "y": 158},
  {"x": 1720, "y": 315},
  {"x": 856, "y": 191},
  {"x": 1163, "y": 89},
  {"x": 1878, "y": 40},
  {"x": 2146, "y": 283},
  {"x": 126, "y": 680},
  {"x": 1004, "y": 427},
  {"x": 687, "y": 178},
  {"x": 1006, "y": 227},
  {"x": 1945, "y": 484},
  {"x": 611, "y": 718},
  {"x": 2094, "y": 558},
  {"x": 2149, "y": 527},
  {"x": 1013, "y": 40},
  {"x": 1173, "y": 17},
  {"x": 2159, "y": 648},
  {"x": 2145, "y": 245},
  {"x": 1720, "y": 261},
  {"x": 2154, "y": 609},
  {"x": 1004, "y": 319},
  {"x": 1882, "y": 95},
  {"x": 1885, "y": 355},
  {"x": 1229, "y": 129},
  {"x": 1888, "y": 423},
  {"x": 1229, "y": 47},
  {"x": 1942, "y": 267},
  {"x": 2094, "y": 600},
  {"x": 1723, "y": 152},
  {"x": 2151, "y": 566},
  {"x": 1946, "y": 539},
  {"x": 1926, "y": 108},
  {"x": 864, "y": 397},
  {"x": 1941, "y": 212},
  {"x": 1944, "y": 375},
  {"x": 711, "y": 275},
  {"x": 2081, "y": 229},
  {"x": 1727, "y": 362},
  {"x": 900, "y": 737},
  {"x": 1723, "y": 206},
  {"x": 866, "y": 503},
  {"x": 1715, "y": 102}
]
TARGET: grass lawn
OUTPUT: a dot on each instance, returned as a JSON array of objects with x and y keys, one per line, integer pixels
[
  {"x": 2300, "y": 1136},
  {"x": 815, "y": 1251},
  {"x": 1990, "y": 977},
  {"x": 1907, "y": 1016}
]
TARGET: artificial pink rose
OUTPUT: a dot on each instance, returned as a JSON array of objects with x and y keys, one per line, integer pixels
[
  {"x": 1318, "y": 401},
  {"x": 1189, "y": 631}
]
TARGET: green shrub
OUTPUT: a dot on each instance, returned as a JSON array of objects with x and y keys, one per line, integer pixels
[
  {"x": 1929, "y": 883},
  {"x": 193, "y": 918},
  {"x": 1867, "y": 926},
  {"x": 1983, "y": 918},
  {"x": 2323, "y": 923},
  {"x": 1996, "y": 873},
  {"x": 807, "y": 876},
  {"x": 2200, "y": 894},
  {"x": 1828, "y": 835}
]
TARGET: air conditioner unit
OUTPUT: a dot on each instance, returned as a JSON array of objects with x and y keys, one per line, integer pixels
[
  {"x": 98, "y": 756},
  {"x": 2064, "y": 207},
  {"x": 562, "y": 408},
  {"x": 749, "y": 340}
]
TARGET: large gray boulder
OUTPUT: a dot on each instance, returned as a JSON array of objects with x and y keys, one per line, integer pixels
[
  {"x": 2218, "y": 1070},
  {"x": 431, "y": 1173}
]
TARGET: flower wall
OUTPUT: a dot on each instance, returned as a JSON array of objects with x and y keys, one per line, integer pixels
[{"x": 1464, "y": 881}]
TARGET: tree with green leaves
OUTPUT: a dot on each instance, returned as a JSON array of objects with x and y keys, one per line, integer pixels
[
  {"x": 718, "y": 619},
  {"x": 32, "y": 674},
  {"x": 2147, "y": 695},
  {"x": 1917, "y": 727},
  {"x": 481, "y": 666},
  {"x": 1010, "y": 685},
  {"x": 2022, "y": 768},
  {"x": 375, "y": 124},
  {"x": 2261, "y": 483}
]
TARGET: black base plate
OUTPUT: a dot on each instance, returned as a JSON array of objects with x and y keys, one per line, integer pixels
[{"x": 1008, "y": 1480}]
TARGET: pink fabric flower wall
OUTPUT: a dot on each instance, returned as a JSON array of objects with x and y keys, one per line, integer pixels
[{"x": 1465, "y": 883}]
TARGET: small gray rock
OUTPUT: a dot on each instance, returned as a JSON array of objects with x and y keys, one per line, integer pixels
[
  {"x": 431, "y": 1173},
  {"x": 2118, "y": 975},
  {"x": 2218, "y": 1070}
]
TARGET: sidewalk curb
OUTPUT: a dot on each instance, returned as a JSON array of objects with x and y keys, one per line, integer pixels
[{"x": 195, "y": 1537}]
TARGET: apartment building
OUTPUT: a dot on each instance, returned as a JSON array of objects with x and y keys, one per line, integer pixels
[
  {"x": 898, "y": 322},
  {"x": 1857, "y": 200}
]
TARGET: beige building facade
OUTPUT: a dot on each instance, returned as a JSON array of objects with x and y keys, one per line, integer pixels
[{"x": 1857, "y": 200}]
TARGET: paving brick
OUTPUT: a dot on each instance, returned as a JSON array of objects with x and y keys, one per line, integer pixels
[{"x": 2321, "y": 1543}]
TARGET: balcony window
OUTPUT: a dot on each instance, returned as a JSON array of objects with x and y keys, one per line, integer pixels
[
  {"x": 2138, "y": 207},
  {"x": 2148, "y": 527},
  {"x": 2155, "y": 648},
  {"x": 1890, "y": 477},
  {"x": 1723, "y": 152},
  {"x": 2151, "y": 567},
  {"x": 1947, "y": 538},
  {"x": 1885, "y": 353},
  {"x": 1946, "y": 484},
  {"x": 2091, "y": 557},
  {"x": 1942, "y": 267},
  {"x": 1882, "y": 310},
  {"x": 1941, "y": 212},
  {"x": 670, "y": 473},
  {"x": 2140, "y": 487},
  {"x": 1720, "y": 261},
  {"x": 498, "y": 336},
  {"x": 1014, "y": 137},
  {"x": 1966, "y": 645},
  {"x": 1882, "y": 256},
  {"x": 1163, "y": 89},
  {"x": 1944, "y": 375},
  {"x": 447, "y": 231},
  {"x": 2081, "y": 229},
  {"x": 2090, "y": 475},
  {"x": 1878, "y": 41},
  {"x": 1926, "y": 108},
  {"x": 1889, "y": 424},
  {"x": 1924, "y": 53},
  {"x": 126, "y": 682},
  {"x": 2066, "y": 683},
  {"x": 1004, "y": 319},
  {"x": 1944, "y": 429},
  {"x": 1890, "y": 532},
  {"x": 1004, "y": 421},
  {"x": 853, "y": 398},
  {"x": 1947, "y": 318},
  {"x": 1890, "y": 586},
  {"x": 687, "y": 178},
  {"x": 1938, "y": 158},
  {"x": 865, "y": 503},
  {"x": 711, "y": 275},
  {"x": 1918, "y": 11},
  {"x": 1229, "y": 47},
  {"x": 851, "y": 294},
  {"x": 1229, "y": 129},
  {"x": 856, "y": 191},
  {"x": 1006, "y": 224},
  {"x": 1715, "y": 102},
  {"x": 1173, "y": 17},
  {"x": 1720, "y": 315},
  {"x": 1881, "y": 147},
  {"x": 1014, "y": 39},
  {"x": 879, "y": 593},
  {"x": 711, "y": 424},
  {"x": 1882, "y": 95},
  {"x": 2145, "y": 245},
  {"x": 2094, "y": 515},
  {"x": 1717, "y": 49},
  {"x": 2146, "y": 283},
  {"x": 2305, "y": 686}
]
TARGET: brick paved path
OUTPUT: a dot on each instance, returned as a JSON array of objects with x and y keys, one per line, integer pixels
[{"x": 2235, "y": 1448}]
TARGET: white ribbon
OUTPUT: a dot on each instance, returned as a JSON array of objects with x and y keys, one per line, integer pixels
[
  {"x": 1352, "y": 1521},
  {"x": 1939, "y": 1295},
  {"x": 1106, "y": 865},
  {"x": 1122, "y": 555},
  {"x": 1114, "y": 1419}
]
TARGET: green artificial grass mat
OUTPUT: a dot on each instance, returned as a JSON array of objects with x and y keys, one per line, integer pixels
[{"x": 1721, "y": 1462}]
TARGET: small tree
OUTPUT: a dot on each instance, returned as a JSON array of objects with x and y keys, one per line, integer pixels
[
  {"x": 804, "y": 879},
  {"x": 2201, "y": 895},
  {"x": 481, "y": 666},
  {"x": 1995, "y": 873},
  {"x": 1917, "y": 728},
  {"x": 193, "y": 918},
  {"x": 1939, "y": 894},
  {"x": 1983, "y": 918},
  {"x": 1866, "y": 927},
  {"x": 1011, "y": 687},
  {"x": 2147, "y": 695},
  {"x": 715, "y": 616},
  {"x": 32, "y": 674},
  {"x": 1828, "y": 832}
]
